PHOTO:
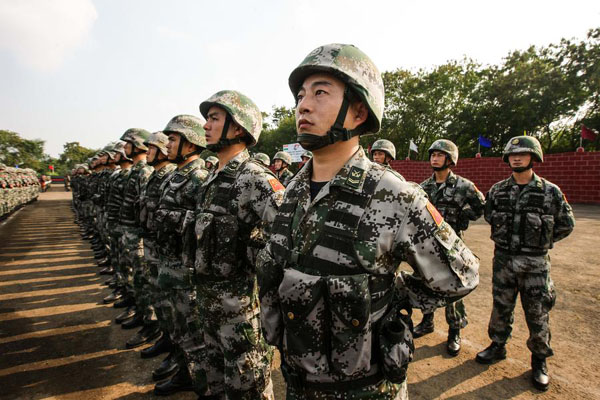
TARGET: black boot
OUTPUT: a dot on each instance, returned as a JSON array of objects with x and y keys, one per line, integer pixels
[
  {"x": 162, "y": 345},
  {"x": 494, "y": 352},
  {"x": 147, "y": 334},
  {"x": 166, "y": 368},
  {"x": 539, "y": 373},
  {"x": 453, "y": 344},
  {"x": 114, "y": 296},
  {"x": 134, "y": 322},
  {"x": 125, "y": 315},
  {"x": 124, "y": 302},
  {"x": 425, "y": 327},
  {"x": 180, "y": 382},
  {"x": 107, "y": 271},
  {"x": 105, "y": 262}
]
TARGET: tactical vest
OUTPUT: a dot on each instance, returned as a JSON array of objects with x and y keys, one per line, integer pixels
[
  {"x": 115, "y": 198},
  {"x": 222, "y": 239},
  {"x": 523, "y": 227},
  {"x": 150, "y": 199},
  {"x": 333, "y": 312},
  {"x": 129, "y": 213}
]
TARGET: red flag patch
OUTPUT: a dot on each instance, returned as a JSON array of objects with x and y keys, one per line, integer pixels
[
  {"x": 435, "y": 214},
  {"x": 276, "y": 185}
]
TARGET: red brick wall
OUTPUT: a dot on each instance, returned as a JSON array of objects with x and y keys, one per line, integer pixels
[{"x": 577, "y": 174}]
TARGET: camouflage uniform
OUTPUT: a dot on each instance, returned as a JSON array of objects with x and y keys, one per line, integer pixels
[
  {"x": 284, "y": 174},
  {"x": 525, "y": 224},
  {"x": 234, "y": 207},
  {"x": 174, "y": 221},
  {"x": 331, "y": 296},
  {"x": 459, "y": 201}
]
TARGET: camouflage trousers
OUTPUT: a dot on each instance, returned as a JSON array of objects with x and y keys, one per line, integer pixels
[
  {"x": 132, "y": 263},
  {"x": 115, "y": 235},
  {"x": 456, "y": 315},
  {"x": 382, "y": 391},
  {"x": 529, "y": 277},
  {"x": 234, "y": 359},
  {"x": 155, "y": 296}
]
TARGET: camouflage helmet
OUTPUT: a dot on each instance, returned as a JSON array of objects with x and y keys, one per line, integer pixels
[
  {"x": 283, "y": 156},
  {"x": 307, "y": 154},
  {"x": 158, "y": 139},
  {"x": 386, "y": 146},
  {"x": 524, "y": 144},
  {"x": 201, "y": 162},
  {"x": 263, "y": 158},
  {"x": 120, "y": 148},
  {"x": 2, "y": 166},
  {"x": 109, "y": 149},
  {"x": 137, "y": 137},
  {"x": 188, "y": 126},
  {"x": 354, "y": 68},
  {"x": 242, "y": 110},
  {"x": 212, "y": 159},
  {"x": 447, "y": 147}
]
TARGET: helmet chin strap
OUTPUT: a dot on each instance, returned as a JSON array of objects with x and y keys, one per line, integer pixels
[
  {"x": 179, "y": 158},
  {"x": 523, "y": 169},
  {"x": 223, "y": 141},
  {"x": 336, "y": 133}
]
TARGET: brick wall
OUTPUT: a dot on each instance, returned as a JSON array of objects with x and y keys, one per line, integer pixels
[{"x": 577, "y": 174}]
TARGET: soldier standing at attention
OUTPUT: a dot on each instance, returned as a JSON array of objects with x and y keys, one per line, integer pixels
[
  {"x": 383, "y": 151},
  {"x": 332, "y": 298},
  {"x": 281, "y": 162},
  {"x": 307, "y": 155},
  {"x": 459, "y": 201},
  {"x": 263, "y": 158},
  {"x": 236, "y": 203},
  {"x": 211, "y": 163},
  {"x": 174, "y": 220},
  {"x": 527, "y": 214}
]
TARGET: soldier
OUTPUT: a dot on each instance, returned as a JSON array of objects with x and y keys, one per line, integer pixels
[
  {"x": 263, "y": 158},
  {"x": 211, "y": 163},
  {"x": 149, "y": 199},
  {"x": 331, "y": 298},
  {"x": 237, "y": 202},
  {"x": 174, "y": 220},
  {"x": 383, "y": 151},
  {"x": 281, "y": 162},
  {"x": 459, "y": 201},
  {"x": 527, "y": 214},
  {"x": 307, "y": 155}
]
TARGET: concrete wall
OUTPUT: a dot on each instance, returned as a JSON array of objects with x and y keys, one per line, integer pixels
[{"x": 577, "y": 174}]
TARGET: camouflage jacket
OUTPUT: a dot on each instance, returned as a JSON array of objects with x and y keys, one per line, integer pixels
[
  {"x": 528, "y": 222},
  {"x": 457, "y": 199},
  {"x": 130, "y": 208},
  {"x": 115, "y": 196},
  {"x": 330, "y": 270},
  {"x": 150, "y": 198},
  {"x": 235, "y": 202},
  {"x": 285, "y": 177}
]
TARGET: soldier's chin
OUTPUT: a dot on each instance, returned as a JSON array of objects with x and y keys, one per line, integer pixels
[{"x": 521, "y": 169}]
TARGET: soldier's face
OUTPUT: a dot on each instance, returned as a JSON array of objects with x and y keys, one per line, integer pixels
[
  {"x": 305, "y": 159},
  {"x": 152, "y": 153},
  {"x": 379, "y": 156},
  {"x": 215, "y": 120},
  {"x": 519, "y": 160},
  {"x": 102, "y": 160},
  {"x": 173, "y": 145},
  {"x": 128, "y": 149},
  {"x": 117, "y": 158},
  {"x": 437, "y": 159},
  {"x": 209, "y": 165},
  {"x": 318, "y": 103},
  {"x": 277, "y": 164}
]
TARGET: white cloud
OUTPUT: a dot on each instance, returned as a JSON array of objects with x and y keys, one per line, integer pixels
[
  {"x": 41, "y": 33},
  {"x": 171, "y": 33}
]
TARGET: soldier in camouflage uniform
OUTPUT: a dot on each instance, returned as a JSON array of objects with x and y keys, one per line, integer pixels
[
  {"x": 149, "y": 199},
  {"x": 459, "y": 201},
  {"x": 174, "y": 220},
  {"x": 527, "y": 214},
  {"x": 237, "y": 202},
  {"x": 131, "y": 258},
  {"x": 281, "y": 162},
  {"x": 211, "y": 163},
  {"x": 5, "y": 191},
  {"x": 263, "y": 158},
  {"x": 383, "y": 151},
  {"x": 332, "y": 298},
  {"x": 307, "y": 155}
]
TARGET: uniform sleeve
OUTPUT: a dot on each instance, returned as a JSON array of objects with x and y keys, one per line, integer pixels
[
  {"x": 444, "y": 268},
  {"x": 476, "y": 202},
  {"x": 564, "y": 221},
  {"x": 489, "y": 206},
  {"x": 269, "y": 274}
]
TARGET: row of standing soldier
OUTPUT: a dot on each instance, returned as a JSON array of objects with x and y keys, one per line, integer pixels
[
  {"x": 18, "y": 187},
  {"x": 196, "y": 251}
]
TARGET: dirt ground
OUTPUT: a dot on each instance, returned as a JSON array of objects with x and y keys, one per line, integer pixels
[{"x": 58, "y": 341}]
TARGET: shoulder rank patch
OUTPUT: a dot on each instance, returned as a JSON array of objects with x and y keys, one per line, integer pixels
[
  {"x": 276, "y": 185},
  {"x": 355, "y": 177},
  {"x": 435, "y": 214}
]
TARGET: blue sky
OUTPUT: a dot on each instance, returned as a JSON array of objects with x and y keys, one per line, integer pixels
[{"x": 83, "y": 70}]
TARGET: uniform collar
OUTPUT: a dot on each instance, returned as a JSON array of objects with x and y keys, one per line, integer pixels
[
  {"x": 536, "y": 181},
  {"x": 353, "y": 174},
  {"x": 186, "y": 169}
]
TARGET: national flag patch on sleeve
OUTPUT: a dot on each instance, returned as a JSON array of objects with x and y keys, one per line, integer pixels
[
  {"x": 435, "y": 214},
  {"x": 276, "y": 185}
]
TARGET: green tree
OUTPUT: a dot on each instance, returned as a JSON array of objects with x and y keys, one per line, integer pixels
[
  {"x": 73, "y": 153},
  {"x": 14, "y": 150}
]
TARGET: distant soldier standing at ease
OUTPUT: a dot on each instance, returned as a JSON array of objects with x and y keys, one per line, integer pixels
[
  {"x": 527, "y": 214},
  {"x": 459, "y": 201}
]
